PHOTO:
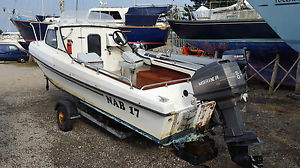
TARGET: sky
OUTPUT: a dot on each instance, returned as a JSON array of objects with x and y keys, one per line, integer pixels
[{"x": 33, "y": 7}]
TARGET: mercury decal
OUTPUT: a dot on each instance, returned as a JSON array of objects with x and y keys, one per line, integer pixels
[{"x": 209, "y": 80}]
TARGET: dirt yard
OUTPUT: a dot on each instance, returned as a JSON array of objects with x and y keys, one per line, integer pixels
[{"x": 30, "y": 136}]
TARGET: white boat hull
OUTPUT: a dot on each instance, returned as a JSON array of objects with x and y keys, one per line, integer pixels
[
  {"x": 156, "y": 126},
  {"x": 162, "y": 113}
]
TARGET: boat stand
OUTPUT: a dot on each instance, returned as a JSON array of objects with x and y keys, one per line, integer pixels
[
  {"x": 272, "y": 88},
  {"x": 297, "y": 89},
  {"x": 296, "y": 95}
]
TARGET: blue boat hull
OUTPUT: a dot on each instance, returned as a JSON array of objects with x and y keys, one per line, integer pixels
[
  {"x": 256, "y": 35},
  {"x": 261, "y": 53},
  {"x": 283, "y": 16},
  {"x": 150, "y": 36},
  {"x": 26, "y": 30},
  {"x": 223, "y": 29}
]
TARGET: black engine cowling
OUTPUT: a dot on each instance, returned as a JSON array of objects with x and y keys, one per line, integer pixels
[
  {"x": 218, "y": 81},
  {"x": 239, "y": 56},
  {"x": 224, "y": 83}
]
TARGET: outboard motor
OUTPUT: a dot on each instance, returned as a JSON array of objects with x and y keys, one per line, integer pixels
[
  {"x": 239, "y": 56},
  {"x": 224, "y": 83}
]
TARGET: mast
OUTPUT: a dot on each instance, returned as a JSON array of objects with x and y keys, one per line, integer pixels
[
  {"x": 76, "y": 5},
  {"x": 76, "y": 9},
  {"x": 43, "y": 9},
  {"x": 61, "y": 6},
  {"x": 134, "y": 3}
]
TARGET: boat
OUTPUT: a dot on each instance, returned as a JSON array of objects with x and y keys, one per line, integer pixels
[
  {"x": 141, "y": 24},
  {"x": 33, "y": 29},
  {"x": 285, "y": 25},
  {"x": 225, "y": 23},
  {"x": 230, "y": 28},
  {"x": 165, "y": 98}
]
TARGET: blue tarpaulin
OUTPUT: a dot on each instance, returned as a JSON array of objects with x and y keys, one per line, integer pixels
[{"x": 144, "y": 16}]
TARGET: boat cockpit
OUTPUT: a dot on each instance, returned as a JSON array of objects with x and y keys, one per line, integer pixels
[{"x": 104, "y": 49}]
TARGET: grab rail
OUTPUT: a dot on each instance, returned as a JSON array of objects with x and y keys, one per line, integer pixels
[
  {"x": 166, "y": 83},
  {"x": 33, "y": 31}
]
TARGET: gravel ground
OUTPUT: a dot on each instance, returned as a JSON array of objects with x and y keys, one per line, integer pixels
[{"x": 30, "y": 136}]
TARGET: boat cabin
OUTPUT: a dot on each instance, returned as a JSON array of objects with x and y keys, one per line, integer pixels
[
  {"x": 117, "y": 13},
  {"x": 104, "y": 48},
  {"x": 134, "y": 16}
]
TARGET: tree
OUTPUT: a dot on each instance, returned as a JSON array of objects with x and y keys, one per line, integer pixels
[
  {"x": 188, "y": 9},
  {"x": 198, "y": 3},
  {"x": 1, "y": 31}
]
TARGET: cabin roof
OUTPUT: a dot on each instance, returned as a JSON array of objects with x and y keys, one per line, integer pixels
[{"x": 76, "y": 18}]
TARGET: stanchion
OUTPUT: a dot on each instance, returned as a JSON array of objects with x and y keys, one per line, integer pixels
[
  {"x": 274, "y": 74},
  {"x": 297, "y": 89},
  {"x": 30, "y": 60},
  {"x": 216, "y": 53}
]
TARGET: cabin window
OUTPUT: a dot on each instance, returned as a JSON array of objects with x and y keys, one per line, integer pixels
[
  {"x": 115, "y": 14},
  {"x": 51, "y": 39},
  {"x": 94, "y": 44}
]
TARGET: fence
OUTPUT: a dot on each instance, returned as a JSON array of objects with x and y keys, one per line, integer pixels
[{"x": 174, "y": 44}]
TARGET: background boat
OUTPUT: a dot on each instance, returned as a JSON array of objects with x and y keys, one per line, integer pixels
[
  {"x": 33, "y": 29},
  {"x": 285, "y": 22},
  {"x": 140, "y": 24},
  {"x": 235, "y": 28},
  {"x": 144, "y": 24}
]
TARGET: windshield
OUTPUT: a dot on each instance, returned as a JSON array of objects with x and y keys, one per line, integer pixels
[{"x": 83, "y": 17}]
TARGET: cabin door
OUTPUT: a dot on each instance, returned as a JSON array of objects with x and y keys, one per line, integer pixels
[{"x": 91, "y": 41}]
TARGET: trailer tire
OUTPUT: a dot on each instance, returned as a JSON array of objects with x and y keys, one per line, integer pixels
[{"x": 65, "y": 110}]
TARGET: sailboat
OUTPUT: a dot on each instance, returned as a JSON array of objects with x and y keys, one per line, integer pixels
[
  {"x": 167, "y": 99},
  {"x": 235, "y": 27},
  {"x": 286, "y": 25}
]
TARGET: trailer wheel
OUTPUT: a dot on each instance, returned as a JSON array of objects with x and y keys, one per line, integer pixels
[{"x": 65, "y": 110}]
